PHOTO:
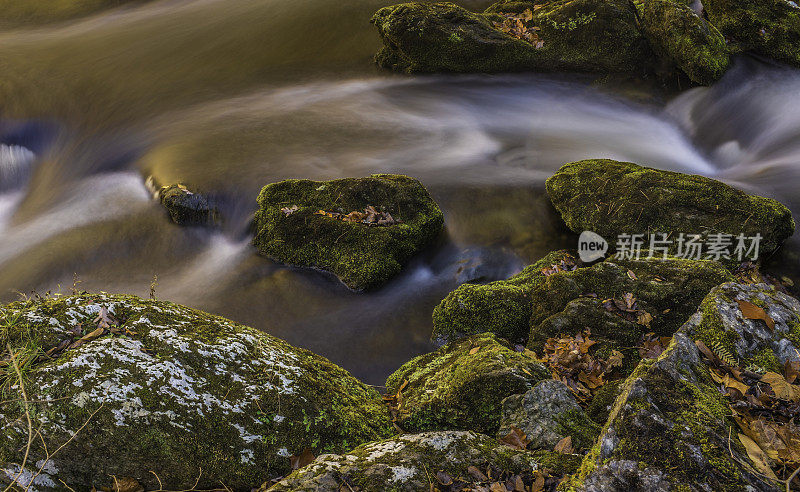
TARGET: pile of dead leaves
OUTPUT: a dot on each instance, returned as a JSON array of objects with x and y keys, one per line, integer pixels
[
  {"x": 515, "y": 25},
  {"x": 628, "y": 308},
  {"x": 565, "y": 265},
  {"x": 651, "y": 346},
  {"x": 369, "y": 217},
  {"x": 766, "y": 408},
  {"x": 492, "y": 479},
  {"x": 395, "y": 402},
  {"x": 570, "y": 362}
]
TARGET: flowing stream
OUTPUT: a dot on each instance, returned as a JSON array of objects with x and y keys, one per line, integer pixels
[{"x": 229, "y": 95}]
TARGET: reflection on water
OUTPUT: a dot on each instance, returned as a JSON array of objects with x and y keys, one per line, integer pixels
[{"x": 229, "y": 96}]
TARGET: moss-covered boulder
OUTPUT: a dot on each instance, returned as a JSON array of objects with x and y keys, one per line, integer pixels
[
  {"x": 768, "y": 27},
  {"x": 680, "y": 36},
  {"x": 575, "y": 35},
  {"x": 670, "y": 428},
  {"x": 462, "y": 385},
  {"x": 167, "y": 390},
  {"x": 502, "y": 307},
  {"x": 666, "y": 293},
  {"x": 417, "y": 462},
  {"x": 187, "y": 207},
  {"x": 548, "y": 413},
  {"x": 363, "y": 230},
  {"x": 613, "y": 198}
]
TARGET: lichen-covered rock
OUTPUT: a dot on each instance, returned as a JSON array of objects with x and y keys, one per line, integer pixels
[
  {"x": 290, "y": 228},
  {"x": 462, "y": 385},
  {"x": 548, "y": 413},
  {"x": 670, "y": 427},
  {"x": 768, "y": 27},
  {"x": 186, "y": 207},
  {"x": 613, "y": 198},
  {"x": 668, "y": 290},
  {"x": 170, "y": 390},
  {"x": 502, "y": 307},
  {"x": 410, "y": 463},
  {"x": 574, "y": 35},
  {"x": 679, "y": 35}
]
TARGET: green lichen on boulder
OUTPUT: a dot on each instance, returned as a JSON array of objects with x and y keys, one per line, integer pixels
[
  {"x": 613, "y": 198},
  {"x": 170, "y": 390},
  {"x": 669, "y": 290},
  {"x": 410, "y": 462},
  {"x": 768, "y": 27},
  {"x": 290, "y": 229},
  {"x": 574, "y": 35},
  {"x": 502, "y": 307},
  {"x": 679, "y": 35},
  {"x": 669, "y": 430},
  {"x": 462, "y": 385},
  {"x": 187, "y": 207}
]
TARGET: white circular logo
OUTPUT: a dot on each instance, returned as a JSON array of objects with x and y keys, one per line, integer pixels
[{"x": 591, "y": 246}]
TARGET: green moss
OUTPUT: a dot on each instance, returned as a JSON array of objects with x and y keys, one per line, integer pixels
[
  {"x": 769, "y": 27},
  {"x": 580, "y": 35},
  {"x": 462, "y": 385},
  {"x": 501, "y": 307},
  {"x": 600, "y": 407},
  {"x": 362, "y": 257},
  {"x": 766, "y": 360},
  {"x": 186, "y": 207},
  {"x": 577, "y": 425},
  {"x": 613, "y": 198},
  {"x": 678, "y": 34}
]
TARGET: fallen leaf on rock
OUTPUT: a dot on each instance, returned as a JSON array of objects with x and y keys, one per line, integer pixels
[
  {"x": 498, "y": 487},
  {"x": 631, "y": 275},
  {"x": 287, "y": 211},
  {"x": 564, "y": 446},
  {"x": 516, "y": 438},
  {"x": 757, "y": 456},
  {"x": 127, "y": 484},
  {"x": 477, "y": 474},
  {"x": 781, "y": 387},
  {"x": 751, "y": 311},
  {"x": 538, "y": 482},
  {"x": 474, "y": 350},
  {"x": 444, "y": 478},
  {"x": 302, "y": 459}
]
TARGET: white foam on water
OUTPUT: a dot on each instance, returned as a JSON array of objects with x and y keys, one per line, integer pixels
[{"x": 15, "y": 163}]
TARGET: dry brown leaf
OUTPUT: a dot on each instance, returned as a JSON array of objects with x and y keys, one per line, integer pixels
[
  {"x": 516, "y": 438},
  {"x": 127, "y": 484},
  {"x": 564, "y": 446},
  {"x": 757, "y": 456},
  {"x": 477, "y": 474},
  {"x": 631, "y": 275},
  {"x": 444, "y": 478},
  {"x": 302, "y": 459},
  {"x": 783, "y": 390},
  {"x": 498, "y": 487},
  {"x": 751, "y": 311},
  {"x": 538, "y": 482},
  {"x": 474, "y": 350}
]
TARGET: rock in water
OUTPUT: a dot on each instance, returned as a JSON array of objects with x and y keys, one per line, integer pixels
[
  {"x": 415, "y": 462},
  {"x": 769, "y": 27},
  {"x": 171, "y": 390},
  {"x": 671, "y": 426},
  {"x": 363, "y": 230},
  {"x": 186, "y": 207},
  {"x": 576, "y": 35},
  {"x": 547, "y": 414},
  {"x": 462, "y": 385},
  {"x": 678, "y": 34},
  {"x": 613, "y": 198}
]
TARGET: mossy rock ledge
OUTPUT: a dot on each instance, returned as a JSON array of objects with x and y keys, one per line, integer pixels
[
  {"x": 290, "y": 229},
  {"x": 174, "y": 391},
  {"x": 612, "y": 198},
  {"x": 669, "y": 428},
  {"x": 410, "y": 462},
  {"x": 572, "y": 35},
  {"x": 462, "y": 385}
]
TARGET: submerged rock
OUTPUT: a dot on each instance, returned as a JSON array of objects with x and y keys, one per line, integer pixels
[
  {"x": 167, "y": 390},
  {"x": 462, "y": 385},
  {"x": 414, "y": 462},
  {"x": 613, "y": 198},
  {"x": 502, "y": 307},
  {"x": 186, "y": 207},
  {"x": 664, "y": 294},
  {"x": 679, "y": 35},
  {"x": 670, "y": 428},
  {"x": 548, "y": 413},
  {"x": 575, "y": 35},
  {"x": 363, "y": 230},
  {"x": 769, "y": 27}
]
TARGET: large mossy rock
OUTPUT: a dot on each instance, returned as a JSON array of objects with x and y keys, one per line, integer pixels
[
  {"x": 502, "y": 307},
  {"x": 613, "y": 198},
  {"x": 169, "y": 390},
  {"x": 679, "y": 35},
  {"x": 670, "y": 428},
  {"x": 769, "y": 27},
  {"x": 575, "y": 35},
  {"x": 548, "y": 413},
  {"x": 412, "y": 462},
  {"x": 290, "y": 228},
  {"x": 669, "y": 291},
  {"x": 462, "y": 385}
]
